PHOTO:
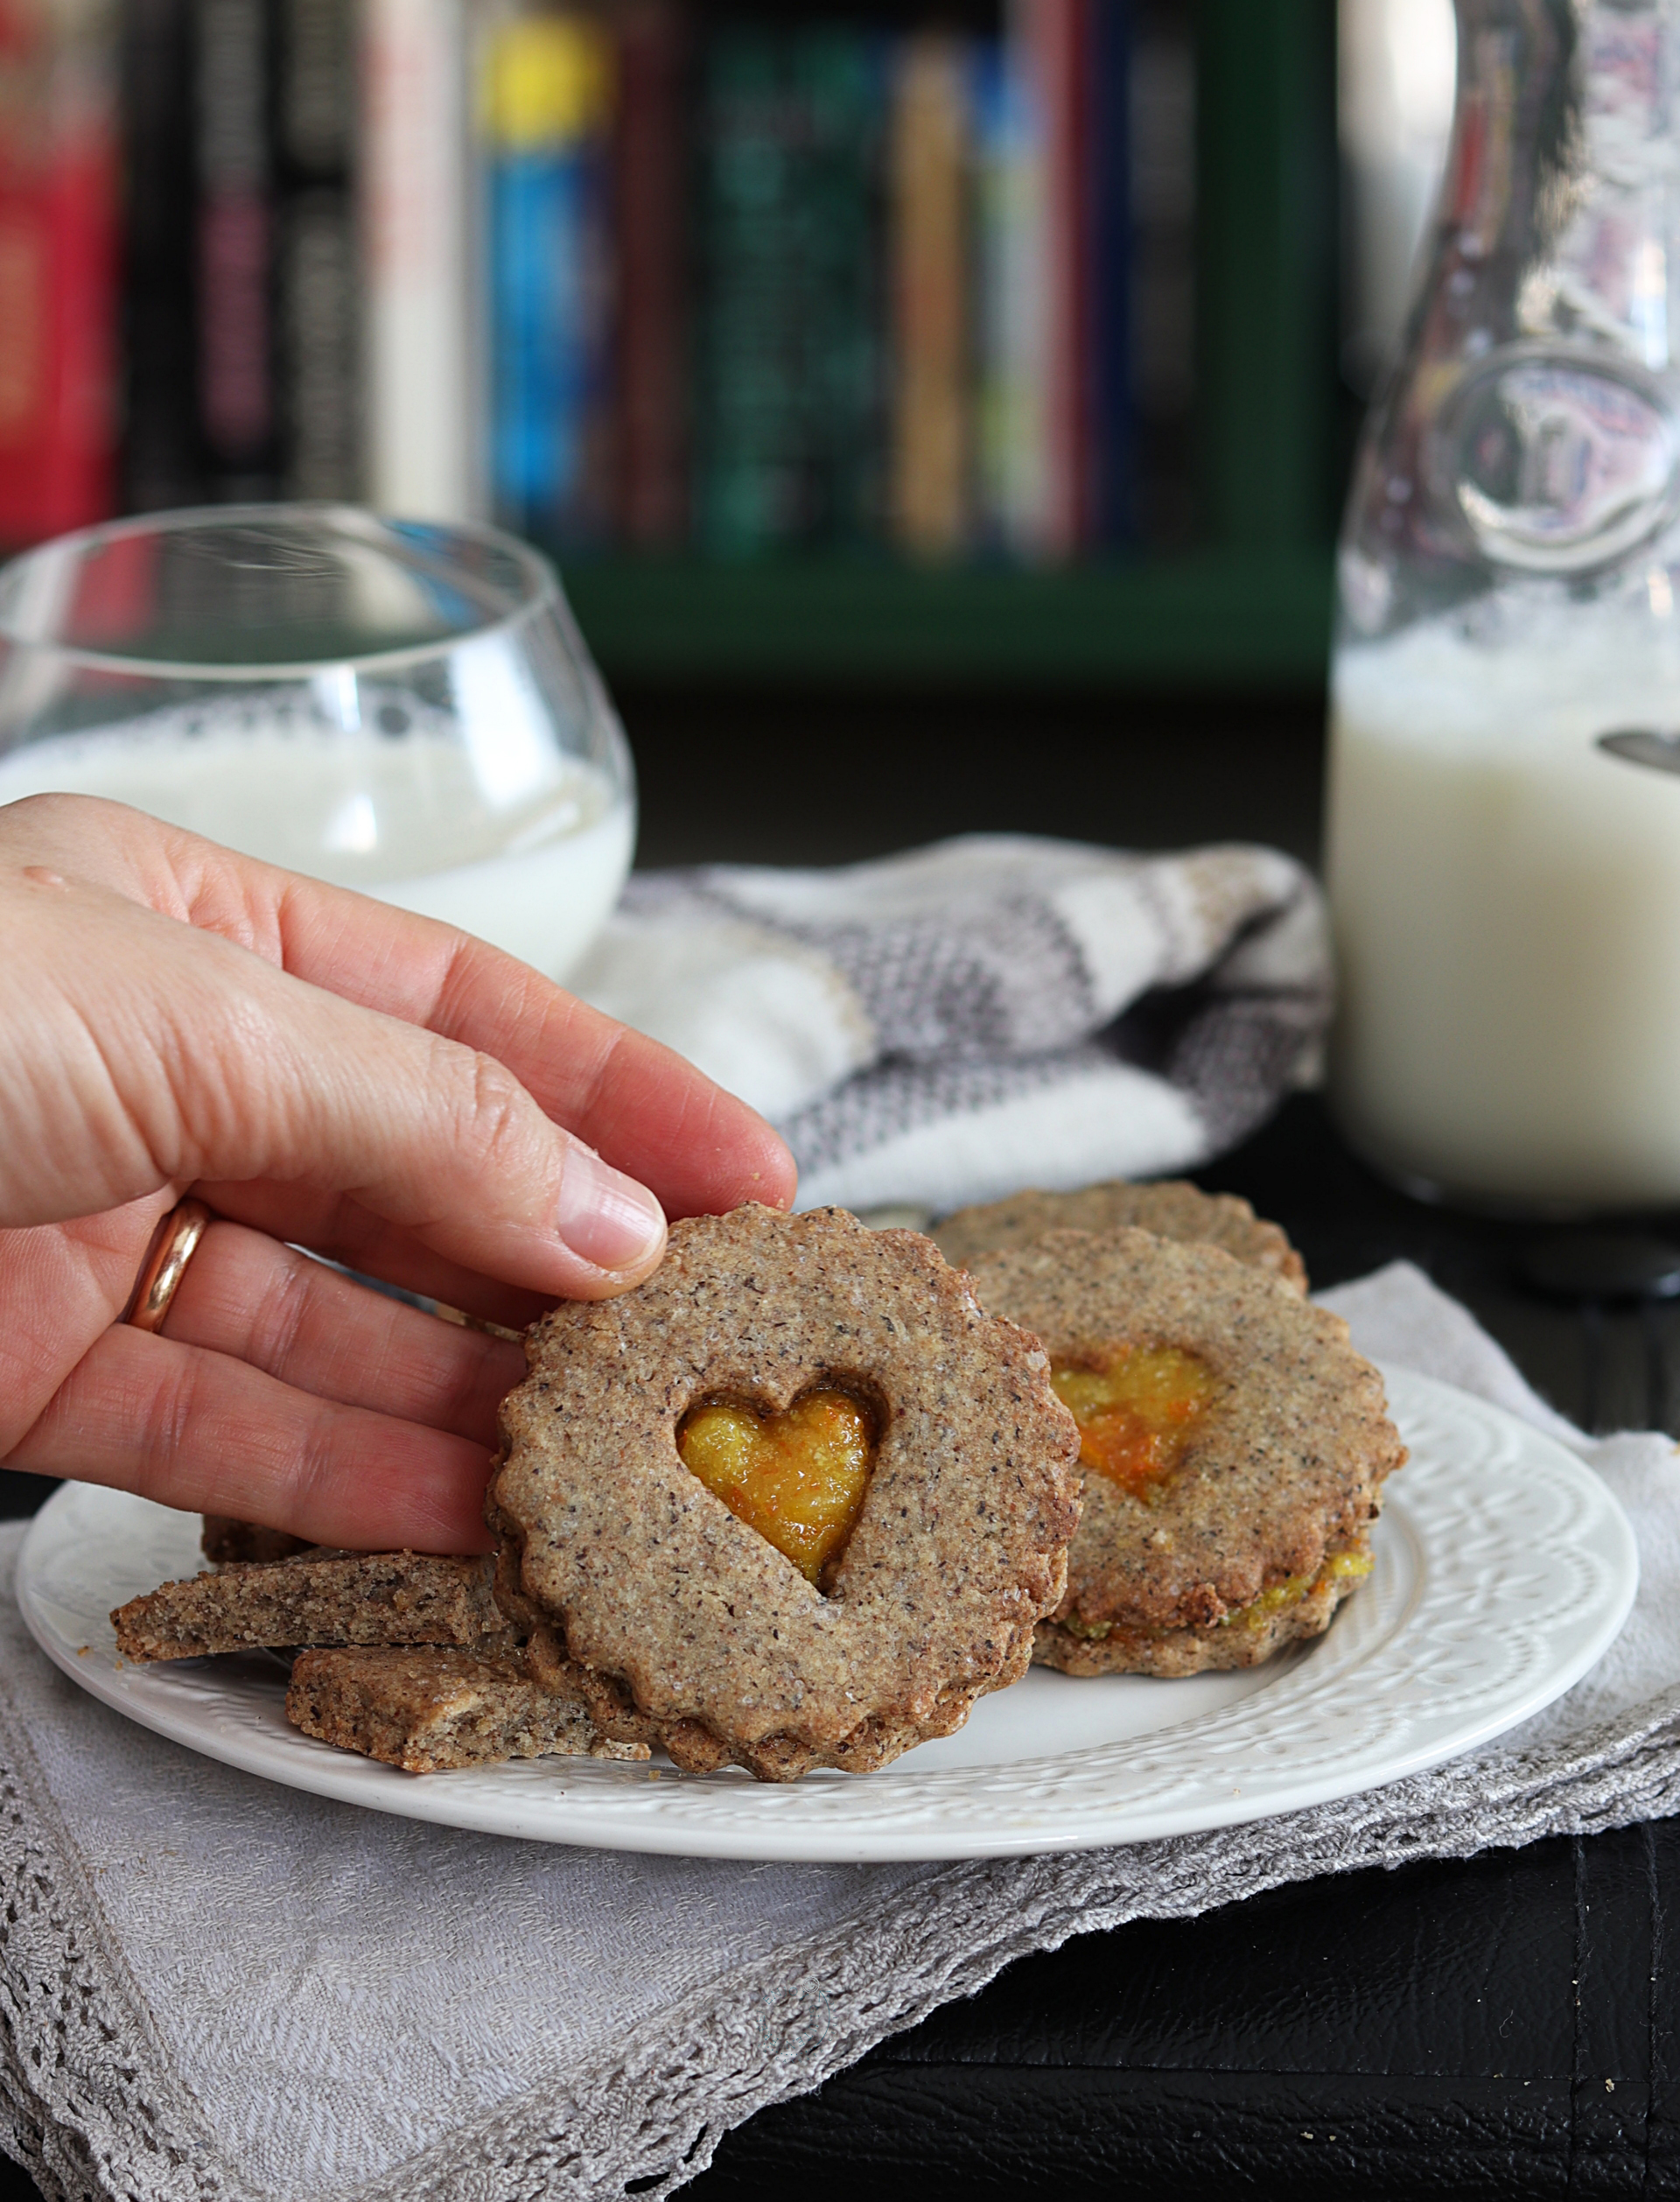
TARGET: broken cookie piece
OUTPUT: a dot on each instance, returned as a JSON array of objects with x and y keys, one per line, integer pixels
[
  {"x": 427, "y": 1708},
  {"x": 346, "y": 1598}
]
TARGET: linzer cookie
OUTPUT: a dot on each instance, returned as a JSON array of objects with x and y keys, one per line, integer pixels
[
  {"x": 1171, "y": 1210},
  {"x": 1234, "y": 1447},
  {"x": 426, "y": 1708},
  {"x": 796, "y": 1501},
  {"x": 316, "y": 1598}
]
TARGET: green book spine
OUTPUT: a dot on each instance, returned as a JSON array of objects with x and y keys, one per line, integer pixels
[
  {"x": 843, "y": 77},
  {"x": 749, "y": 405},
  {"x": 789, "y": 385}
]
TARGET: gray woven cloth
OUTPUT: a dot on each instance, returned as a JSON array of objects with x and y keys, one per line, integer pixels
[
  {"x": 916, "y": 1026},
  {"x": 217, "y": 1988}
]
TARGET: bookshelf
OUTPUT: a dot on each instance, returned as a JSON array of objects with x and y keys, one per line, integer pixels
[
  {"x": 1248, "y": 608},
  {"x": 330, "y": 290},
  {"x": 1246, "y": 617}
]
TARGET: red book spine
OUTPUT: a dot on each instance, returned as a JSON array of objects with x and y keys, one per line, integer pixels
[
  {"x": 649, "y": 193},
  {"x": 57, "y": 277}
]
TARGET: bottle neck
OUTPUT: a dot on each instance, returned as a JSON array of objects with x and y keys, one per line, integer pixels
[{"x": 1559, "y": 208}]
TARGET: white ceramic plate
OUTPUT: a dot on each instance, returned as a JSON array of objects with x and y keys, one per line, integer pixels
[{"x": 1504, "y": 1569}]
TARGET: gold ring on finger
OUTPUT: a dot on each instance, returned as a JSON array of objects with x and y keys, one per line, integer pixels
[{"x": 173, "y": 1245}]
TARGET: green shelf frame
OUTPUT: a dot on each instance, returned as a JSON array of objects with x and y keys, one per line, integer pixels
[{"x": 1223, "y": 619}]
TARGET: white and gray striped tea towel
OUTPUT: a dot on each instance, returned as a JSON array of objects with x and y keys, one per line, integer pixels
[
  {"x": 212, "y": 1990},
  {"x": 946, "y": 1026}
]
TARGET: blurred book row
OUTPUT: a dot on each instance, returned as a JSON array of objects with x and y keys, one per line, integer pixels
[{"x": 635, "y": 276}]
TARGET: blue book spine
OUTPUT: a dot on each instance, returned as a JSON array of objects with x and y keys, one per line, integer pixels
[
  {"x": 548, "y": 112},
  {"x": 1009, "y": 283},
  {"x": 547, "y": 364}
]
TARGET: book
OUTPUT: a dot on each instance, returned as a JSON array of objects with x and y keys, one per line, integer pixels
[
  {"x": 233, "y": 244},
  {"x": 548, "y": 115},
  {"x": 1009, "y": 311},
  {"x": 422, "y": 404},
  {"x": 650, "y": 181},
  {"x": 1111, "y": 518},
  {"x": 1055, "y": 43},
  {"x": 751, "y": 444},
  {"x": 930, "y": 208},
  {"x": 839, "y": 79},
  {"x": 316, "y": 275},
  {"x": 58, "y": 267},
  {"x": 162, "y": 462},
  {"x": 789, "y": 384},
  {"x": 1161, "y": 97}
]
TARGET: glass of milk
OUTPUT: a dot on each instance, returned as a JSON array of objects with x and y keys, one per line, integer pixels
[
  {"x": 400, "y": 707},
  {"x": 1504, "y": 816}
]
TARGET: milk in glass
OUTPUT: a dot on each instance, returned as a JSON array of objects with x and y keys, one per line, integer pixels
[{"x": 408, "y": 821}]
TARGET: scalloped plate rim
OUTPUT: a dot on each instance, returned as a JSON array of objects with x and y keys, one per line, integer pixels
[{"x": 851, "y": 1820}]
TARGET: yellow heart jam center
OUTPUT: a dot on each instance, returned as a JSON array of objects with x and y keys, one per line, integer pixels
[
  {"x": 797, "y": 1477},
  {"x": 1136, "y": 1407}
]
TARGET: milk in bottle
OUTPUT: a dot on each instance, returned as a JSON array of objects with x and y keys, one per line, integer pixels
[
  {"x": 1507, "y": 894},
  {"x": 1504, "y": 811}
]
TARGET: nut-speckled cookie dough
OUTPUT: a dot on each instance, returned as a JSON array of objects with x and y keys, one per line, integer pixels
[
  {"x": 427, "y": 1708},
  {"x": 1171, "y": 1209},
  {"x": 1262, "y": 1527},
  {"x": 684, "y": 1626},
  {"x": 317, "y": 1597}
]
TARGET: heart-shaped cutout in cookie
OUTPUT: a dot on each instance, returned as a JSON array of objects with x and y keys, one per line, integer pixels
[
  {"x": 1136, "y": 1407},
  {"x": 797, "y": 1477}
]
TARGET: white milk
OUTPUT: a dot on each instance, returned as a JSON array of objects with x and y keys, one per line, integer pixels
[
  {"x": 1507, "y": 902},
  {"x": 407, "y": 820}
]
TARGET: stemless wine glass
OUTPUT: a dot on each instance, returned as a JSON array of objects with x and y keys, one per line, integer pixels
[{"x": 400, "y": 707}]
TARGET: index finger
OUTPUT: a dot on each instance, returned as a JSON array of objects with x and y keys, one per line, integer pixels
[{"x": 641, "y": 1106}]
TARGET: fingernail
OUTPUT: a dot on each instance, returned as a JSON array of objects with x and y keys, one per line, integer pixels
[{"x": 606, "y": 1217}]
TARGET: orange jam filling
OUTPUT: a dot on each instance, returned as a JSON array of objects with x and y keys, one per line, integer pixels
[
  {"x": 1341, "y": 1566},
  {"x": 797, "y": 1477},
  {"x": 1135, "y": 1409}
]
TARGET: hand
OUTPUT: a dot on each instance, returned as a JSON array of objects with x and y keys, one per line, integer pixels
[{"x": 321, "y": 1068}]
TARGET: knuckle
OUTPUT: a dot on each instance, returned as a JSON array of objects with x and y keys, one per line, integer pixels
[
  {"x": 317, "y": 1475},
  {"x": 500, "y": 1120},
  {"x": 280, "y": 1314}
]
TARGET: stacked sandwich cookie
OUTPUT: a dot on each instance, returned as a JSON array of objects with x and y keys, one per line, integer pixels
[
  {"x": 1234, "y": 1444},
  {"x": 1235, "y": 1448}
]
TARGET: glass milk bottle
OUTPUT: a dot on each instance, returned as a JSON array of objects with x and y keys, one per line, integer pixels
[{"x": 1504, "y": 827}]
